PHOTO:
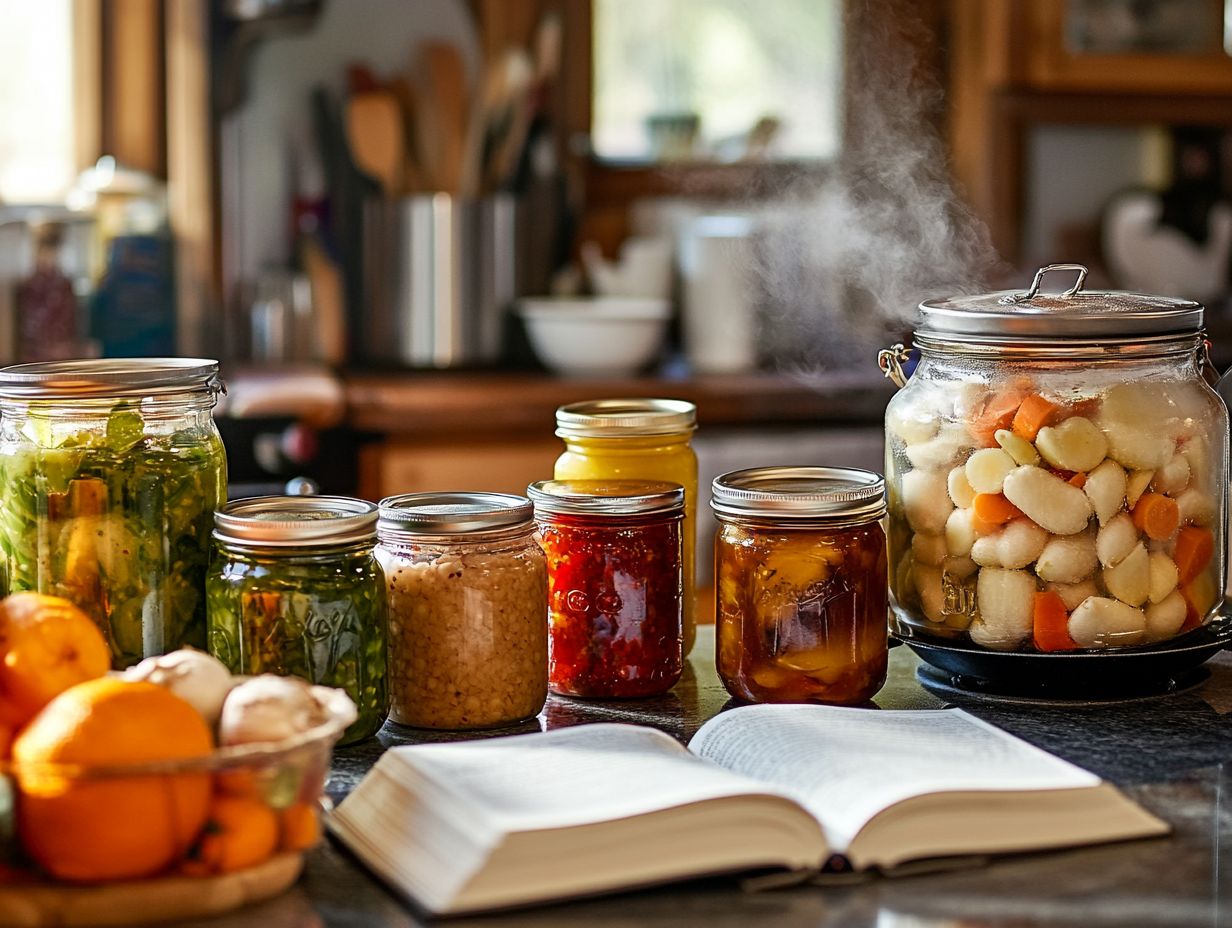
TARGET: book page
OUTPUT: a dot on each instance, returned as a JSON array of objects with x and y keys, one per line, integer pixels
[
  {"x": 574, "y": 776},
  {"x": 846, "y": 765}
]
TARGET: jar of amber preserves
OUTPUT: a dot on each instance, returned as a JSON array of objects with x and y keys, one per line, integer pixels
[
  {"x": 801, "y": 591},
  {"x": 615, "y": 585}
]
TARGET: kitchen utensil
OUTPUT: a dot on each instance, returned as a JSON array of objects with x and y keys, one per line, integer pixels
[
  {"x": 595, "y": 336},
  {"x": 441, "y": 273},
  {"x": 328, "y": 300},
  {"x": 377, "y": 138},
  {"x": 444, "y": 103}
]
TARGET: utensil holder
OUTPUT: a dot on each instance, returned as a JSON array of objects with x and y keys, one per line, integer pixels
[{"x": 439, "y": 276}]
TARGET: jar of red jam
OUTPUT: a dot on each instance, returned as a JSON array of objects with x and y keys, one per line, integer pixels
[
  {"x": 801, "y": 585},
  {"x": 615, "y": 585}
]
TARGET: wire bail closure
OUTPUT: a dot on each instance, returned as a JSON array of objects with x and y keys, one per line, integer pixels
[
  {"x": 891, "y": 361},
  {"x": 1033, "y": 290}
]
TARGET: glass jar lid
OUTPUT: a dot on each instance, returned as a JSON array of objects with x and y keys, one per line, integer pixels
[
  {"x": 625, "y": 417},
  {"x": 107, "y": 377},
  {"x": 296, "y": 521},
  {"x": 829, "y": 495},
  {"x": 606, "y": 497},
  {"x": 454, "y": 513},
  {"x": 1072, "y": 314}
]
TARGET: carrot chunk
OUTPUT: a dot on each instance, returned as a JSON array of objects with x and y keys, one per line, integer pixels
[
  {"x": 1157, "y": 515},
  {"x": 1033, "y": 414},
  {"x": 997, "y": 412},
  {"x": 1194, "y": 548},
  {"x": 1079, "y": 480},
  {"x": 1051, "y": 623},
  {"x": 994, "y": 508}
]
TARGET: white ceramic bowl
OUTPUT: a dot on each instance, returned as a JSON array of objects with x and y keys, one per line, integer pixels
[{"x": 602, "y": 336}]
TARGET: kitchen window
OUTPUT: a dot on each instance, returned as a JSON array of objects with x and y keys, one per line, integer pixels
[
  {"x": 38, "y": 158},
  {"x": 716, "y": 80}
]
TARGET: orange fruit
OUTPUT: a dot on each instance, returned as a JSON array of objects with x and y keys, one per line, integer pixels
[
  {"x": 301, "y": 827},
  {"x": 46, "y": 645},
  {"x": 239, "y": 833},
  {"x": 82, "y": 827}
]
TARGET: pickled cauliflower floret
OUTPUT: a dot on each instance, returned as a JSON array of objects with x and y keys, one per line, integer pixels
[{"x": 926, "y": 501}]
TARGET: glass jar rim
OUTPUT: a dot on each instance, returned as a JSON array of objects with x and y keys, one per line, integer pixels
[
  {"x": 296, "y": 522},
  {"x": 816, "y": 495},
  {"x": 103, "y": 378},
  {"x": 628, "y": 417},
  {"x": 1145, "y": 346},
  {"x": 606, "y": 497}
]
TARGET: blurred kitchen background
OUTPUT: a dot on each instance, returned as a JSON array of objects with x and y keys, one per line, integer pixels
[{"x": 411, "y": 228}]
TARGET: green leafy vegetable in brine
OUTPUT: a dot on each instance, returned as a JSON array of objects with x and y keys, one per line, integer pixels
[
  {"x": 115, "y": 517},
  {"x": 319, "y": 617}
]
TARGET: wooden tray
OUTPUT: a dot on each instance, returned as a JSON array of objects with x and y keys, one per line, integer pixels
[{"x": 34, "y": 905}]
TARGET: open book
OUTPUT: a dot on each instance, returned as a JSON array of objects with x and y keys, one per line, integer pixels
[{"x": 509, "y": 821}]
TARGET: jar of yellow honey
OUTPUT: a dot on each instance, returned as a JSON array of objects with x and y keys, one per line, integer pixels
[{"x": 637, "y": 439}]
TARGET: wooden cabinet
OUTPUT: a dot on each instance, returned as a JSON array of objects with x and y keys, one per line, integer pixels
[
  {"x": 1013, "y": 66},
  {"x": 403, "y": 465}
]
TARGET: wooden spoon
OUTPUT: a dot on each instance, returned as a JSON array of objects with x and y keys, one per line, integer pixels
[
  {"x": 445, "y": 98},
  {"x": 377, "y": 137}
]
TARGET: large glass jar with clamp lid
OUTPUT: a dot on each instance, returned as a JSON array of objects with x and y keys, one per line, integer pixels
[
  {"x": 1057, "y": 471},
  {"x": 110, "y": 472}
]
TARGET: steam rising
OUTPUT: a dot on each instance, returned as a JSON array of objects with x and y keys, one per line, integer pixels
[{"x": 845, "y": 262}]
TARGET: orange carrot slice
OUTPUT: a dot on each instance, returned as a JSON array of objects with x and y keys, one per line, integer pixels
[
  {"x": 994, "y": 508},
  {"x": 1051, "y": 623},
  {"x": 1194, "y": 548},
  {"x": 1157, "y": 515},
  {"x": 1079, "y": 480},
  {"x": 997, "y": 412},
  {"x": 1033, "y": 414}
]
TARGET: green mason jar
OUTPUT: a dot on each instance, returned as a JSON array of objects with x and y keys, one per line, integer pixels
[{"x": 293, "y": 588}]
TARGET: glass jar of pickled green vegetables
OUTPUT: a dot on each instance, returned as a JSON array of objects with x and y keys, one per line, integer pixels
[
  {"x": 110, "y": 472},
  {"x": 294, "y": 589}
]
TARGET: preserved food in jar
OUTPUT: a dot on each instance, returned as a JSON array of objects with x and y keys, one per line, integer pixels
[
  {"x": 637, "y": 439},
  {"x": 294, "y": 589},
  {"x": 110, "y": 472},
  {"x": 1057, "y": 469},
  {"x": 614, "y": 585},
  {"x": 800, "y": 573},
  {"x": 468, "y": 609}
]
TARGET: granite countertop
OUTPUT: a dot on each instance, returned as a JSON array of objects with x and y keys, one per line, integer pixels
[{"x": 1169, "y": 753}]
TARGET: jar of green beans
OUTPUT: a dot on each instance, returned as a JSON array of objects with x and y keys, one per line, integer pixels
[{"x": 293, "y": 588}]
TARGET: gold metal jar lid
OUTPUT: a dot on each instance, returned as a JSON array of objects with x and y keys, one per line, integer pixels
[
  {"x": 107, "y": 377},
  {"x": 296, "y": 521},
  {"x": 453, "y": 513},
  {"x": 606, "y": 497},
  {"x": 620, "y": 418},
  {"x": 1074, "y": 314},
  {"x": 822, "y": 495}
]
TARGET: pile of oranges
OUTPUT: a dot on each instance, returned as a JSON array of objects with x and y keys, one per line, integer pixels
[{"x": 64, "y": 722}]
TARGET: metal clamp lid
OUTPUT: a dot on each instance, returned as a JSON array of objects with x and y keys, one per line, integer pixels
[
  {"x": 296, "y": 521},
  {"x": 845, "y": 495},
  {"x": 108, "y": 377},
  {"x": 453, "y": 513},
  {"x": 1075, "y": 313}
]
